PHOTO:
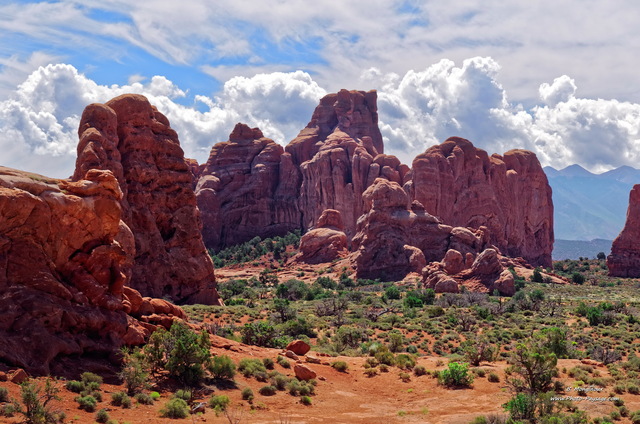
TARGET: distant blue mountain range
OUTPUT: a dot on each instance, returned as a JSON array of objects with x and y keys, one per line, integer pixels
[{"x": 590, "y": 206}]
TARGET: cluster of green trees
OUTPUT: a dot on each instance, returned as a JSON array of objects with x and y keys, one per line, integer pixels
[{"x": 254, "y": 249}]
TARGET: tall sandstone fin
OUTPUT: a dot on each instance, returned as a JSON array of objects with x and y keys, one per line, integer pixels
[
  {"x": 129, "y": 137},
  {"x": 624, "y": 260},
  {"x": 340, "y": 153}
]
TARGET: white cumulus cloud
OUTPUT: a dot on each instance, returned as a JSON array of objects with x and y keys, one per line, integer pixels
[
  {"x": 421, "y": 108},
  {"x": 39, "y": 121},
  {"x": 562, "y": 89}
]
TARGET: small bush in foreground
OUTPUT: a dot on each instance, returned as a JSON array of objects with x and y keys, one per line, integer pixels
[
  {"x": 35, "y": 405},
  {"x": 457, "y": 375},
  {"x": 247, "y": 394},
  {"x": 267, "y": 390},
  {"x": 340, "y": 366},
  {"x": 120, "y": 399},
  {"x": 144, "y": 399},
  {"x": 88, "y": 403},
  {"x": 175, "y": 408},
  {"x": 222, "y": 367},
  {"x": 419, "y": 370},
  {"x": 219, "y": 403},
  {"x": 251, "y": 367},
  {"x": 493, "y": 377},
  {"x": 102, "y": 416},
  {"x": 74, "y": 386}
]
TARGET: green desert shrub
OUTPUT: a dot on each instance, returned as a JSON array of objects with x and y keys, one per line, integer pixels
[
  {"x": 340, "y": 366},
  {"x": 74, "y": 386},
  {"x": 267, "y": 390},
  {"x": 268, "y": 363},
  {"x": 120, "y": 399},
  {"x": 456, "y": 375},
  {"x": 282, "y": 361},
  {"x": 183, "y": 394},
  {"x": 88, "y": 403},
  {"x": 419, "y": 370},
  {"x": 219, "y": 403},
  {"x": 222, "y": 367},
  {"x": 143, "y": 399},
  {"x": 250, "y": 367},
  {"x": 247, "y": 394},
  {"x": 175, "y": 408},
  {"x": 102, "y": 416}
]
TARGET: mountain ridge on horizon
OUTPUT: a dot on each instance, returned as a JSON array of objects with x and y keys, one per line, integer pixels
[{"x": 589, "y": 206}]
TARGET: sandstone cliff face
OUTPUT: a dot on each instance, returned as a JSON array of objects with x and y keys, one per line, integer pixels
[
  {"x": 63, "y": 272},
  {"x": 396, "y": 237},
  {"x": 624, "y": 260},
  {"x": 340, "y": 154},
  {"x": 509, "y": 195},
  {"x": 247, "y": 188},
  {"x": 132, "y": 139},
  {"x": 251, "y": 187}
]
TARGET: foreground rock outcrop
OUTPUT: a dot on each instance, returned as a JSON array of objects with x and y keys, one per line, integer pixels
[
  {"x": 624, "y": 260},
  {"x": 247, "y": 188},
  {"x": 161, "y": 225},
  {"x": 396, "y": 236},
  {"x": 62, "y": 284},
  {"x": 510, "y": 195}
]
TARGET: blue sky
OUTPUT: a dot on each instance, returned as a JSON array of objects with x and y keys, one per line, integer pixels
[{"x": 557, "y": 77}]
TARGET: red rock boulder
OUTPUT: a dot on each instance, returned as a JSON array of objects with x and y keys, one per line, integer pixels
[
  {"x": 304, "y": 372},
  {"x": 298, "y": 347},
  {"x": 486, "y": 274},
  {"x": 326, "y": 242}
]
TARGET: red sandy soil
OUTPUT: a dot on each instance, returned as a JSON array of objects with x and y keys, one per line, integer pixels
[{"x": 349, "y": 397}]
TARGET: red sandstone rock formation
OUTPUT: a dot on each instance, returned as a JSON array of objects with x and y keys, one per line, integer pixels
[
  {"x": 326, "y": 242},
  {"x": 62, "y": 284},
  {"x": 247, "y": 188},
  {"x": 340, "y": 154},
  {"x": 195, "y": 169},
  {"x": 509, "y": 195},
  {"x": 353, "y": 112},
  {"x": 250, "y": 187},
  {"x": 624, "y": 260},
  {"x": 395, "y": 237},
  {"x": 132, "y": 139},
  {"x": 486, "y": 274}
]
